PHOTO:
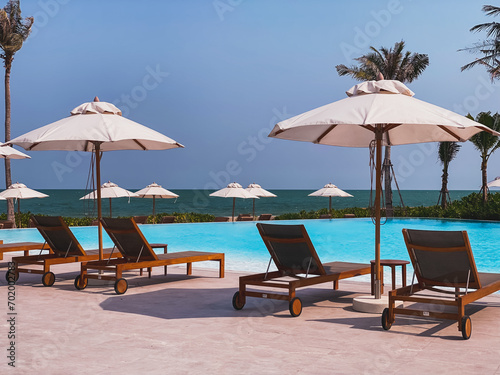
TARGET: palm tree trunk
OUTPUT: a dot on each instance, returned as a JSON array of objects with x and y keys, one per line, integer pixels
[
  {"x": 8, "y": 174},
  {"x": 389, "y": 212},
  {"x": 484, "y": 188},
  {"x": 444, "y": 187}
]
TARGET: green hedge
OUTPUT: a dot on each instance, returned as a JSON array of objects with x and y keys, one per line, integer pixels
[{"x": 468, "y": 207}]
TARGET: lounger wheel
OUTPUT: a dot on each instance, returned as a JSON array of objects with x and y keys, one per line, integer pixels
[
  {"x": 237, "y": 303},
  {"x": 48, "y": 278},
  {"x": 121, "y": 286},
  {"x": 79, "y": 284},
  {"x": 11, "y": 277},
  {"x": 295, "y": 306},
  {"x": 385, "y": 320},
  {"x": 466, "y": 326}
]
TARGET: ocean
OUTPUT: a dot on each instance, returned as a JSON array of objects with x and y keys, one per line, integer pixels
[{"x": 68, "y": 203}]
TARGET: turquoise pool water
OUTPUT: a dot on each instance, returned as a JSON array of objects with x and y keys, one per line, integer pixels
[{"x": 350, "y": 240}]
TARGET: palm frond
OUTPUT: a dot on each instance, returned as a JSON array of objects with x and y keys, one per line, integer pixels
[
  {"x": 447, "y": 151},
  {"x": 491, "y": 10},
  {"x": 13, "y": 28},
  {"x": 483, "y": 141},
  {"x": 392, "y": 62}
]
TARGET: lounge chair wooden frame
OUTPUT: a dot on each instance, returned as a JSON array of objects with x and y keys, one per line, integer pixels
[
  {"x": 144, "y": 257},
  {"x": 72, "y": 253},
  {"x": 22, "y": 246},
  {"x": 290, "y": 278},
  {"x": 482, "y": 284}
]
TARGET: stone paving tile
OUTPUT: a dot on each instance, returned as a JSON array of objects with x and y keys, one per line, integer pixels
[{"x": 186, "y": 325}]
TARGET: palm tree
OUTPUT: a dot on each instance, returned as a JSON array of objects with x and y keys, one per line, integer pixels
[
  {"x": 486, "y": 144},
  {"x": 13, "y": 32},
  {"x": 391, "y": 63},
  {"x": 446, "y": 153},
  {"x": 489, "y": 48}
]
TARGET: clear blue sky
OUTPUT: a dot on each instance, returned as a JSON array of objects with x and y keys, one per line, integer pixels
[{"x": 217, "y": 75}]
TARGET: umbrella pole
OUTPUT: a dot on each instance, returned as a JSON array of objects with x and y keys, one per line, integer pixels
[
  {"x": 234, "y": 202},
  {"x": 330, "y": 206},
  {"x": 110, "y": 214},
  {"x": 253, "y": 210},
  {"x": 98, "y": 155},
  {"x": 378, "y": 192}
]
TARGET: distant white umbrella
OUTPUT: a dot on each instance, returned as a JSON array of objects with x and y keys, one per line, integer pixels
[
  {"x": 8, "y": 152},
  {"x": 95, "y": 127},
  {"x": 233, "y": 190},
  {"x": 110, "y": 190},
  {"x": 376, "y": 114},
  {"x": 494, "y": 183},
  {"x": 330, "y": 190},
  {"x": 155, "y": 191},
  {"x": 20, "y": 191},
  {"x": 257, "y": 190}
]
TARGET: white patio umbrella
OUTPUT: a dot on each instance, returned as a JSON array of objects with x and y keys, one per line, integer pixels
[
  {"x": 9, "y": 152},
  {"x": 257, "y": 190},
  {"x": 20, "y": 191},
  {"x": 110, "y": 190},
  {"x": 330, "y": 190},
  {"x": 233, "y": 190},
  {"x": 494, "y": 183},
  {"x": 155, "y": 191},
  {"x": 95, "y": 127},
  {"x": 378, "y": 113}
]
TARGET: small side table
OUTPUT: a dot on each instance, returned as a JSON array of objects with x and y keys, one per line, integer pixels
[{"x": 389, "y": 263}]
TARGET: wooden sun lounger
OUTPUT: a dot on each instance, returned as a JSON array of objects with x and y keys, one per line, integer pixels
[
  {"x": 441, "y": 259},
  {"x": 137, "y": 253},
  {"x": 22, "y": 246},
  {"x": 65, "y": 249},
  {"x": 298, "y": 266}
]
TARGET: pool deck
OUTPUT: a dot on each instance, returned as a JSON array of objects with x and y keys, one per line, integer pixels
[{"x": 187, "y": 326}]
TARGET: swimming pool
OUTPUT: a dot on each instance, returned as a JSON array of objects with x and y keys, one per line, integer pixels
[{"x": 350, "y": 240}]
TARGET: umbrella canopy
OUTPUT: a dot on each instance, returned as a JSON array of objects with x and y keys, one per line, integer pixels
[
  {"x": 95, "y": 127},
  {"x": 402, "y": 119},
  {"x": 494, "y": 183},
  {"x": 330, "y": 190},
  {"x": 257, "y": 190},
  {"x": 8, "y": 152},
  {"x": 94, "y": 124},
  {"x": 110, "y": 190},
  {"x": 20, "y": 191},
  {"x": 378, "y": 113},
  {"x": 233, "y": 190},
  {"x": 155, "y": 191}
]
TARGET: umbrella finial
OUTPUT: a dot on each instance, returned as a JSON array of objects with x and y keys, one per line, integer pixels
[
  {"x": 96, "y": 99},
  {"x": 380, "y": 76}
]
